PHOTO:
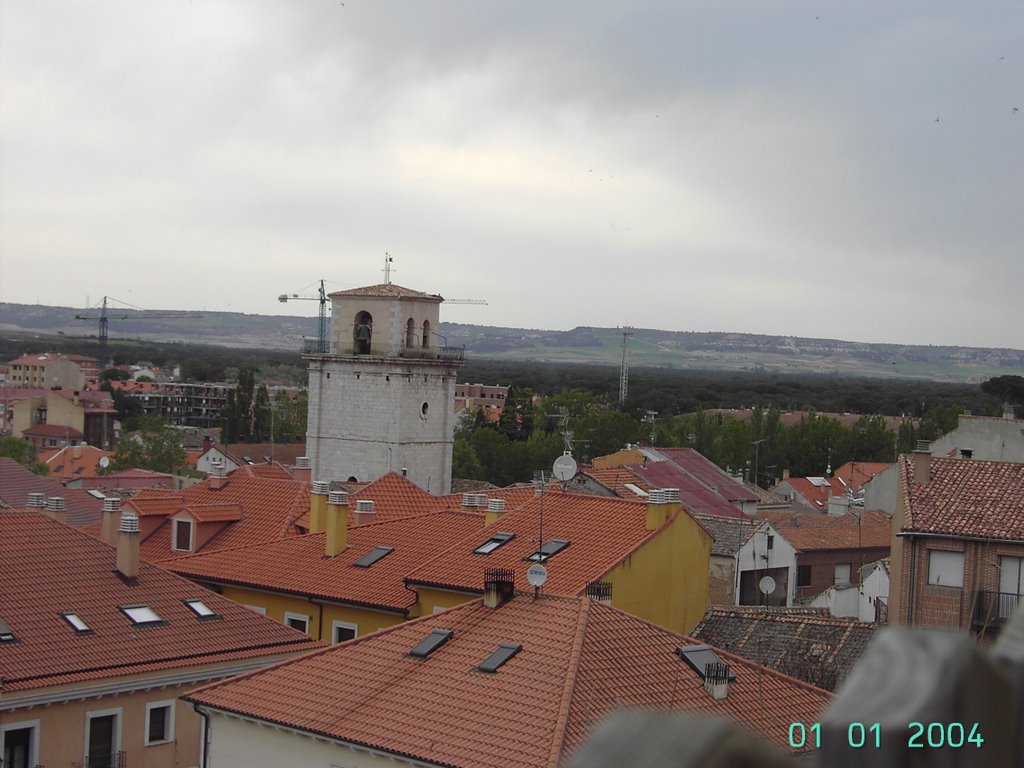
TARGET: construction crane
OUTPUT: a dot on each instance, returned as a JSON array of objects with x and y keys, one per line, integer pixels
[
  {"x": 465, "y": 301},
  {"x": 627, "y": 331},
  {"x": 321, "y": 338},
  {"x": 104, "y": 318}
]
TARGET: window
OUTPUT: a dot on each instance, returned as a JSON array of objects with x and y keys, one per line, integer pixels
[
  {"x": 201, "y": 609},
  {"x": 431, "y": 643},
  {"x": 182, "y": 535},
  {"x": 75, "y": 621},
  {"x": 19, "y": 743},
  {"x": 373, "y": 556},
  {"x": 771, "y": 542},
  {"x": 102, "y": 736},
  {"x": 946, "y": 569},
  {"x": 551, "y": 548},
  {"x": 803, "y": 575},
  {"x": 493, "y": 543},
  {"x": 140, "y": 614},
  {"x": 6, "y": 633},
  {"x": 699, "y": 657},
  {"x": 343, "y": 630},
  {"x": 503, "y": 653},
  {"x": 297, "y": 621},
  {"x": 159, "y": 723},
  {"x": 842, "y": 573}
]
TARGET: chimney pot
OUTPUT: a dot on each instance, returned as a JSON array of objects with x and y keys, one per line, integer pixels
[
  {"x": 499, "y": 586},
  {"x": 37, "y": 500},
  {"x": 321, "y": 487},
  {"x": 55, "y": 504},
  {"x": 337, "y": 497},
  {"x": 302, "y": 462},
  {"x": 112, "y": 504}
]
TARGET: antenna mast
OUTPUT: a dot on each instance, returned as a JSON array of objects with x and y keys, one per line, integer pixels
[{"x": 627, "y": 331}]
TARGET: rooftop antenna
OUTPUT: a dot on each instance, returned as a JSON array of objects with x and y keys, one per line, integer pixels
[
  {"x": 387, "y": 267},
  {"x": 651, "y": 416},
  {"x": 627, "y": 331}
]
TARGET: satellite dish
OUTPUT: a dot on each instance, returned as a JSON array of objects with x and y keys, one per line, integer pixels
[
  {"x": 104, "y": 461},
  {"x": 537, "y": 574},
  {"x": 564, "y": 467},
  {"x": 766, "y": 585}
]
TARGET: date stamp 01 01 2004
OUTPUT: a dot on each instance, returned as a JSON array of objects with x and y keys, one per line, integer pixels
[{"x": 869, "y": 735}]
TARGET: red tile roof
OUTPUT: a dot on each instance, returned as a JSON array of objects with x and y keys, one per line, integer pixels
[
  {"x": 17, "y": 482},
  {"x": 73, "y": 462},
  {"x": 579, "y": 661},
  {"x": 514, "y": 496},
  {"x": 50, "y": 568},
  {"x": 694, "y": 495},
  {"x": 297, "y": 565},
  {"x": 602, "y": 532},
  {"x": 394, "y": 496},
  {"x": 53, "y": 430},
  {"x": 388, "y": 291},
  {"x": 965, "y": 497},
  {"x": 214, "y": 513},
  {"x": 709, "y": 473},
  {"x": 616, "y": 480},
  {"x": 810, "y": 531}
]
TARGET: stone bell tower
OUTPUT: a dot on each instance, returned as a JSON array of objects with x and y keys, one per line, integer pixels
[{"x": 382, "y": 398}]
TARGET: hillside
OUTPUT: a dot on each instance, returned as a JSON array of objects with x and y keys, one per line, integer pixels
[{"x": 679, "y": 350}]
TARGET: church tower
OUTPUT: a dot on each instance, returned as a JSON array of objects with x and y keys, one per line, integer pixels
[{"x": 382, "y": 398}]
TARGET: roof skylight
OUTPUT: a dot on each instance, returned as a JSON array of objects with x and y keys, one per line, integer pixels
[
  {"x": 201, "y": 609},
  {"x": 373, "y": 556},
  {"x": 502, "y": 653},
  {"x": 6, "y": 633},
  {"x": 493, "y": 543},
  {"x": 551, "y": 548},
  {"x": 76, "y": 621},
  {"x": 140, "y": 614},
  {"x": 431, "y": 643},
  {"x": 699, "y": 657}
]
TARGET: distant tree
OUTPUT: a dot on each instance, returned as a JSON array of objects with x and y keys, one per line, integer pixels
[
  {"x": 261, "y": 415},
  {"x": 127, "y": 406},
  {"x": 23, "y": 452},
  {"x": 873, "y": 440},
  {"x": 113, "y": 374},
  {"x": 1009, "y": 389},
  {"x": 154, "y": 446}
]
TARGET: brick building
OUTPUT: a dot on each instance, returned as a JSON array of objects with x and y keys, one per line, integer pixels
[{"x": 958, "y": 543}]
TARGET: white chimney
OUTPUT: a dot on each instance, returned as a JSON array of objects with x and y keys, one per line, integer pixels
[
  {"x": 128, "y": 546},
  {"x": 37, "y": 500}
]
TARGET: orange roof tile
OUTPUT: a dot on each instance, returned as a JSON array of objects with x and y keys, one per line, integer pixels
[
  {"x": 514, "y": 496},
  {"x": 73, "y": 462},
  {"x": 50, "y": 568},
  {"x": 579, "y": 661},
  {"x": 601, "y": 532},
  {"x": 809, "y": 531},
  {"x": 215, "y": 513},
  {"x": 393, "y": 496},
  {"x": 297, "y": 565},
  {"x": 388, "y": 291},
  {"x": 965, "y": 497},
  {"x": 17, "y": 482}
]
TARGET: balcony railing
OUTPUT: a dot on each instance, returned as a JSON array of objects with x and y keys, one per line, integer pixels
[
  {"x": 113, "y": 760},
  {"x": 450, "y": 354},
  {"x": 993, "y": 609}
]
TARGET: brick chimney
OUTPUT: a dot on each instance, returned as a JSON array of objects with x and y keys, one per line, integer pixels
[
  {"x": 128, "y": 546},
  {"x": 499, "y": 586},
  {"x": 301, "y": 470},
  {"x": 495, "y": 511},
  {"x": 923, "y": 463},
  {"x": 662, "y": 505},
  {"x": 337, "y": 523},
  {"x": 318, "y": 506},
  {"x": 111, "y": 520},
  {"x": 55, "y": 508}
]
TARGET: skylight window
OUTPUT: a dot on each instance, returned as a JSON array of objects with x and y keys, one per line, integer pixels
[
  {"x": 431, "y": 643},
  {"x": 6, "y": 633},
  {"x": 201, "y": 609},
  {"x": 551, "y": 548},
  {"x": 699, "y": 657},
  {"x": 141, "y": 614},
  {"x": 493, "y": 543},
  {"x": 373, "y": 556},
  {"x": 76, "y": 621},
  {"x": 503, "y": 653}
]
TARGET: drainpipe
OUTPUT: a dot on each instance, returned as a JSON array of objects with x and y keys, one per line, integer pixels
[{"x": 913, "y": 575}]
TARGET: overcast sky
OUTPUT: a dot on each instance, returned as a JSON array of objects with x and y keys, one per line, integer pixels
[{"x": 850, "y": 170}]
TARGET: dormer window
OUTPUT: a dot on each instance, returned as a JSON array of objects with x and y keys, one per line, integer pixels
[
  {"x": 182, "y": 536},
  {"x": 550, "y": 548}
]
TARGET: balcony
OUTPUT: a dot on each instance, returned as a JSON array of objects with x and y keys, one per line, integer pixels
[
  {"x": 992, "y": 609},
  {"x": 113, "y": 760}
]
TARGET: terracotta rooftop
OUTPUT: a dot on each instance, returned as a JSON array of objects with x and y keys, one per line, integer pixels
[
  {"x": 514, "y": 496},
  {"x": 17, "y": 482},
  {"x": 601, "y": 532},
  {"x": 807, "y": 643},
  {"x": 388, "y": 291},
  {"x": 618, "y": 480},
  {"x": 297, "y": 565},
  {"x": 579, "y": 660},
  {"x": 965, "y": 497},
  {"x": 53, "y": 430},
  {"x": 283, "y": 453},
  {"x": 810, "y": 531},
  {"x": 70, "y": 463},
  {"x": 693, "y": 494},
  {"x": 50, "y": 569},
  {"x": 269, "y": 508}
]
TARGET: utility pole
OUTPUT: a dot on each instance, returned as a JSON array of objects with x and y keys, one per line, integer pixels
[{"x": 757, "y": 446}]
